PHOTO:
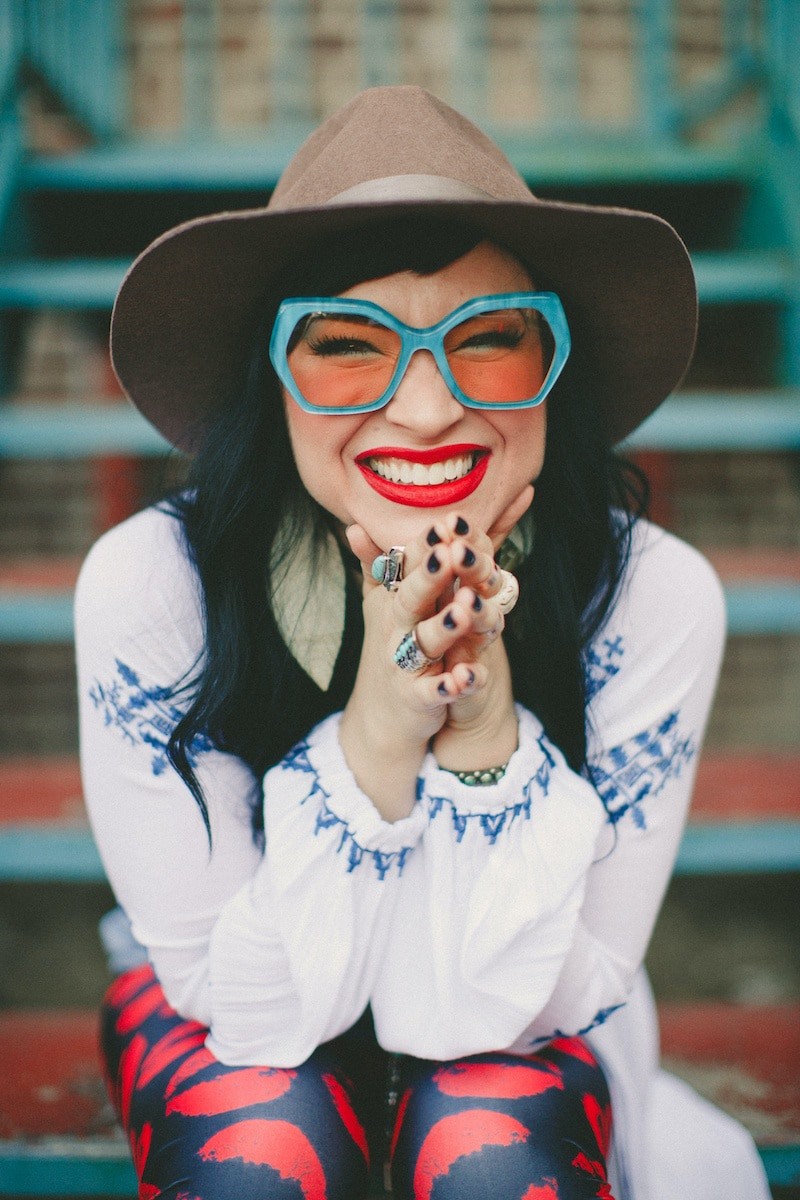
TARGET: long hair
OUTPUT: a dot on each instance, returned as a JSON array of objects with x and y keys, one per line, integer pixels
[{"x": 247, "y": 694}]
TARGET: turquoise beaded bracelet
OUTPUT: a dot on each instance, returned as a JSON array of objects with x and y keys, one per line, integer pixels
[{"x": 481, "y": 778}]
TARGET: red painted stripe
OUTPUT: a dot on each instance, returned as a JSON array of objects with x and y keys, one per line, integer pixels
[
  {"x": 34, "y": 790},
  {"x": 746, "y": 1059},
  {"x": 50, "y": 1077},
  {"x": 731, "y": 785},
  {"x": 741, "y": 786},
  {"x": 27, "y": 574},
  {"x": 755, "y": 563}
]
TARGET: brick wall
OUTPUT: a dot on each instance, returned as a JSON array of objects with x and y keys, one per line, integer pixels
[{"x": 241, "y": 50}]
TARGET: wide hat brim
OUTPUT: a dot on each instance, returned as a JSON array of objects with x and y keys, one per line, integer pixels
[{"x": 184, "y": 319}]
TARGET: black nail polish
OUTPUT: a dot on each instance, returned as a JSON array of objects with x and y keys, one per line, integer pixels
[
  {"x": 433, "y": 538},
  {"x": 469, "y": 559},
  {"x": 461, "y": 526},
  {"x": 477, "y": 604},
  {"x": 449, "y": 621},
  {"x": 433, "y": 564},
  {"x": 471, "y": 678},
  {"x": 442, "y": 689}
]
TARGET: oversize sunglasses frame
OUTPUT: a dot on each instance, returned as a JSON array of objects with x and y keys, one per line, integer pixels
[{"x": 431, "y": 338}]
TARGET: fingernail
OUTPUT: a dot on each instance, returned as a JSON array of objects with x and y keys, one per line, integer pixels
[
  {"x": 433, "y": 564},
  {"x": 471, "y": 678},
  {"x": 433, "y": 538},
  {"x": 477, "y": 604},
  {"x": 469, "y": 559},
  {"x": 449, "y": 621},
  {"x": 461, "y": 526},
  {"x": 442, "y": 689}
]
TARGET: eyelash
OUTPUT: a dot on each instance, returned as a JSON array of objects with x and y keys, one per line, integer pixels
[{"x": 332, "y": 345}]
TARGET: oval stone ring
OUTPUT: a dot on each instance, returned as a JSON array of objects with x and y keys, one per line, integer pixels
[{"x": 387, "y": 569}]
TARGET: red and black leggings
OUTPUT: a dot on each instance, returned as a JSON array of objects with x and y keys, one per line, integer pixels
[{"x": 533, "y": 1128}]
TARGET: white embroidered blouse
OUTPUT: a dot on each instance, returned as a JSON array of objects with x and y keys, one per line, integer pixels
[{"x": 490, "y": 917}]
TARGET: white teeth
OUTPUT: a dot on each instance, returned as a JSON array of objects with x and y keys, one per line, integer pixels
[{"x": 400, "y": 470}]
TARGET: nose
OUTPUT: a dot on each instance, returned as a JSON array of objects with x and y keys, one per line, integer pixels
[{"x": 423, "y": 403}]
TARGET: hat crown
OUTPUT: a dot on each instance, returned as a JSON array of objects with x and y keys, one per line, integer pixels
[{"x": 388, "y": 132}]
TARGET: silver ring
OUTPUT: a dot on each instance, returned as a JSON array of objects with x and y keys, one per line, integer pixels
[
  {"x": 508, "y": 595},
  {"x": 409, "y": 656},
  {"x": 387, "y": 569}
]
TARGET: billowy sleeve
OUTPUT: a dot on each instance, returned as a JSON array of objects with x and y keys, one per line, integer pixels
[
  {"x": 274, "y": 950},
  {"x": 528, "y": 906}
]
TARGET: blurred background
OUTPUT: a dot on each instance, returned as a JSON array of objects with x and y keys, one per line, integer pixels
[{"x": 119, "y": 118}]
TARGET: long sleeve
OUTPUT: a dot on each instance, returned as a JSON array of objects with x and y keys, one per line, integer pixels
[
  {"x": 274, "y": 951},
  {"x": 138, "y": 629},
  {"x": 489, "y": 904},
  {"x": 314, "y": 919},
  {"x": 527, "y": 909},
  {"x": 653, "y": 670}
]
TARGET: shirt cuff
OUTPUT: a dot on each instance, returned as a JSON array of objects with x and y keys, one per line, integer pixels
[{"x": 341, "y": 800}]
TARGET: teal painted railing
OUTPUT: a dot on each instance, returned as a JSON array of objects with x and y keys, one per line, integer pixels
[{"x": 76, "y": 45}]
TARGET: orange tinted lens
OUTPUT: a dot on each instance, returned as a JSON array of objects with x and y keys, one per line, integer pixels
[
  {"x": 501, "y": 357},
  {"x": 341, "y": 360}
]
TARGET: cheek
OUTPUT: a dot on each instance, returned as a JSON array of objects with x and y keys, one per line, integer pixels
[
  {"x": 525, "y": 434},
  {"x": 317, "y": 445}
]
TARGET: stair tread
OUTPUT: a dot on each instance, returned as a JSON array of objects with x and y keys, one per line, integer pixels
[
  {"x": 735, "y": 785},
  {"x": 742, "y": 564},
  {"x": 36, "y": 616},
  {"x": 688, "y": 421},
  {"x": 190, "y": 164},
  {"x": 744, "y": 1058},
  {"x": 75, "y": 283}
]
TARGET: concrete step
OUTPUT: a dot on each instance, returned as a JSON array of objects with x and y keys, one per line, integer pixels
[{"x": 58, "y": 1134}]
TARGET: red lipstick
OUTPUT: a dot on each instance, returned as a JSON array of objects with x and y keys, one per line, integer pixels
[{"x": 433, "y": 495}]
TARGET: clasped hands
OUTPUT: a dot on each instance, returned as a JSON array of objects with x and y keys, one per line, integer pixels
[{"x": 462, "y": 704}]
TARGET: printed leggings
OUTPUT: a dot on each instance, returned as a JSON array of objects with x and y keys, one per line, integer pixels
[{"x": 493, "y": 1125}]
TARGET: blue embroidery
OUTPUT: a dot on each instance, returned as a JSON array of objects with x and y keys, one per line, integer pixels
[
  {"x": 599, "y": 1019},
  {"x": 602, "y": 662},
  {"x": 493, "y": 824},
  {"x": 143, "y": 716},
  {"x": 625, "y": 775},
  {"x": 383, "y": 861}
]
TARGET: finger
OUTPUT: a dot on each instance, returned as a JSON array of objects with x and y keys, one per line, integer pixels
[
  {"x": 365, "y": 550},
  {"x": 485, "y": 630},
  {"x": 437, "y": 635},
  {"x": 475, "y": 567},
  {"x": 426, "y": 588},
  {"x": 464, "y": 680}
]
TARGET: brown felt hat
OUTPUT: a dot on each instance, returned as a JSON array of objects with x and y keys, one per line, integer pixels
[{"x": 184, "y": 318}]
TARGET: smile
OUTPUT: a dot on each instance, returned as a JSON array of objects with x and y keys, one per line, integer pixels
[{"x": 424, "y": 478}]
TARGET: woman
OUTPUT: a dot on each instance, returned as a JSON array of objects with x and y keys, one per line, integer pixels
[{"x": 420, "y": 939}]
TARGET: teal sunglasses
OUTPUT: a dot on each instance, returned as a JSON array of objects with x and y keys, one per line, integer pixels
[{"x": 335, "y": 355}]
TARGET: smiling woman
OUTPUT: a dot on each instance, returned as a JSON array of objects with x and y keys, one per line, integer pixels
[{"x": 398, "y": 856}]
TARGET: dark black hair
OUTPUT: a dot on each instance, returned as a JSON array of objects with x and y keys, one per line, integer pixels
[{"x": 247, "y": 694}]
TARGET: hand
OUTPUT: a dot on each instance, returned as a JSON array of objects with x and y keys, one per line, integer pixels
[{"x": 392, "y": 714}]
